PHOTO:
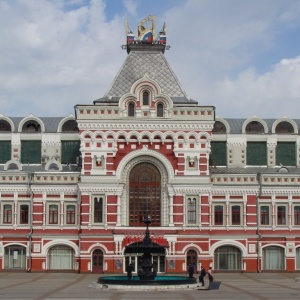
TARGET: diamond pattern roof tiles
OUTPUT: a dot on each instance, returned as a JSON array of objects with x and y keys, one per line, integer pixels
[{"x": 141, "y": 63}]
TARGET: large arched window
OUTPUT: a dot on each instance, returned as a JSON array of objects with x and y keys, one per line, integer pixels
[
  {"x": 284, "y": 128},
  {"x": 31, "y": 126},
  {"x": 61, "y": 257},
  {"x": 228, "y": 258},
  {"x": 144, "y": 195},
  {"x": 273, "y": 258},
  {"x": 131, "y": 109},
  {"x": 254, "y": 127},
  {"x": 219, "y": 127},
  {"x": 5, "y": 126},
  {"x": 70, "y": 126}
]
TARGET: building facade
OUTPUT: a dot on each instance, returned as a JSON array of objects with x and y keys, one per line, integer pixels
[{"x": 74, "y": 191}]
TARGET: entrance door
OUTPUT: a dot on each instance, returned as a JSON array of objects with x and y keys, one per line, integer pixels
[
  {"x": 97, "y": 261},
  {"x": 191, "y": 258}
]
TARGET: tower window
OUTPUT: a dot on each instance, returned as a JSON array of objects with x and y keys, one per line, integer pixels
[
  {"x": 146, "y": 98},
  {"x": 131, "y": 109},
  {"x": 160, "y": 110}
]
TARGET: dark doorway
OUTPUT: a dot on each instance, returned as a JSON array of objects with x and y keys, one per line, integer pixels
[
  {"x": 97, "y": 261},
  {"x": 192, "y": 258}
]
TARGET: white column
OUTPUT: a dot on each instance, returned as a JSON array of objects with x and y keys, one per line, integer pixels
[{"x": 118, "y": 210}]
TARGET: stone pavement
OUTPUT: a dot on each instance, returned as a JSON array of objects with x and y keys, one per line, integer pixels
[{"x": 244, "y": 286}]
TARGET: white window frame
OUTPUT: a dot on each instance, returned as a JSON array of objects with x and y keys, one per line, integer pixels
[
  {"x": 19, "y": 214},
  {"x": 58, "y": 213},
  {"x": 196, "y": 199},
  {"x": 93, "y": 210},
  {"x": 66, "y": 204},
  {"x": 269, "y": 216},
  {"x": 286, "y": 214},
  {"x": 223, "y": 204},
  {"x": 12, "y": 212},
  {"x": 293, "y": 216},
  {"x": 240, "y": 205}
]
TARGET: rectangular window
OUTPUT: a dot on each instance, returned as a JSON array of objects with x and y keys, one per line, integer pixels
[
  {"x": 98, "y": 209},
  {"x": 191, "y": 210},
  {"x": 264, "y": 215},
  {"x": 235, "y": 215},
  {"x": 31, "y": 152},
  {"x": 286, "y": 154},
  {"x": 53, "y": 214},
  {"x": 24, "y": 213},
  {"x": 297, "y": 215},
  {"x": 7, "y": 214},
  {"x": 257, "y": 153},
  {"x": 281, "y": 215},
  {"x": 69, "y": 151},
  {"x": 218, "y": 214},
  {"x": 219, "y": 153},
  {"x": 71, "y": 214},
  {"x": 5, "y": 151}
]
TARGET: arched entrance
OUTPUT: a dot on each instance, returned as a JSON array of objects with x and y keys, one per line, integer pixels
[
  {"x": 228, "y": 258},
  {"x": 144, "y": 194},
  {"x": 192, "y": 258},
  {"x": 61, "y": 257},
  {"x": 273, "y": 258},
  {"x": 15, "y": 257},
  {"x": 97, "y": 258}
]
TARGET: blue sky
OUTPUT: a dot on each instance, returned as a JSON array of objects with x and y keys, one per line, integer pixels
[{"x": 241, "y": 56}]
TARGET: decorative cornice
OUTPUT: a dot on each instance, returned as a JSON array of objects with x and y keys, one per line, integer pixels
[{"x": 148, "y": 126}]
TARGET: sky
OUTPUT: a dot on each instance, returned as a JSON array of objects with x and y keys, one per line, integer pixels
[{"x": 243, "y": 57}]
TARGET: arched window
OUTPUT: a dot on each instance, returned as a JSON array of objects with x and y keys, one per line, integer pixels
[
  {"x": 273, "y": 258},
  {"x": 284, "y": 127},
  {"x": 160, "y": 110},
  {"x": 14, "y": 257},
  {"x": 228, "y": 258},
  {"x": 31, "y": 126},
  {"x": 254, "y": 127},
  {"x": 61, "y": 257},
  {"x": 219, "y": 127},
  {"x": 131, "y": 109},
  {"x": 145, "y": 98},
  {"x": 5, "y": 126},
  {"x": 144, "y": 195},
  {"x": 70, "y": 126}
]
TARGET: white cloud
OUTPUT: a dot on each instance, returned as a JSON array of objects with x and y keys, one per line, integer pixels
[
  {"x": 57, "y": 57},
  {"x": 273, "y": 94},
  {"x": 56, "y": 54},
  {"x": 131, "y": 6}
]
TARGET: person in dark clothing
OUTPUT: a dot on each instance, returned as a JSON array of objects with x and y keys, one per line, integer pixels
[
  {"x": 210, "y": 275},
  {"x": 191, "y": 271},
  {"x": 201, "y": 277},
  {"x": 129, "y": 270}
]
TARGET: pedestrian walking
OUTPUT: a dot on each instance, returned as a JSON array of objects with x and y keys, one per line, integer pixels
[
  {"x": 210, "y": 275},
  {"x": 202, "y": 275}
]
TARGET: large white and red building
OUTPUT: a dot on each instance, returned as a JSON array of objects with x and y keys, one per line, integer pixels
[{"x": 221, "y": 192}]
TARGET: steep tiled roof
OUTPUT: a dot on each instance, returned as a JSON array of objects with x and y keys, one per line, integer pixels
[{"x": 151, "y": 63}]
